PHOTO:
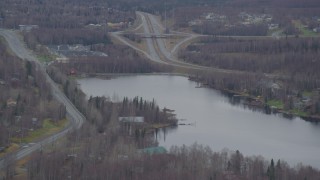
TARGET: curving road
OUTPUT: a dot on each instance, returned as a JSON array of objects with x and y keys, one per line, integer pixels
[
  {"x": 75, "y": 117},
  {"x": 157, "y": 28},
  {"x": 157, "y": 50}
]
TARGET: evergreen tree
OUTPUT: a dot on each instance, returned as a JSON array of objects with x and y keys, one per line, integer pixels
[
  {"x": 29, "y": 68},
  {"x": 140, "y": 104},
  {"x": 271, "y": 171}
]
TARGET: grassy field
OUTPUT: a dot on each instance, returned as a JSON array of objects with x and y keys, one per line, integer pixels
[
  {"x": 276, "y": 103},
  {"x": 13, "y": 147},
  {"x": 297, "y": 112},
  {"x": 3, "y": 41},
  {"x": 305, "y": 32},
  {"x": 47, "y": 129},
  {"x": 307, "y": 93},
  {"x": 21, "y": 169},
  {"x": 45, "y": 58}
]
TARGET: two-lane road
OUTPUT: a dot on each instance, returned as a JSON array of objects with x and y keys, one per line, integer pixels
[{"x": 75, "y": 117}]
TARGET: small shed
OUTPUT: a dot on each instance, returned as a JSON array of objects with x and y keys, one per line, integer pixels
[
  {"x": 131, "y": 119},
  {"x": 27, "y": 28},
  {"x": 154, "y": 150},
  {"x": 317, "y": 30},
  {"x": 34, "y": 121},
  {"x": 72, "y": 71},
  {"x": 62, "y": 59},
  {"x": 2, "y": 82},
  {"x": 11, "y": 102}
]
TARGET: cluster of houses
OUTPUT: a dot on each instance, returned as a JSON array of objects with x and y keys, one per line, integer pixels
[
  {"x": 117, "y": 26},
  {"x": 111, "y": 26},
  {"x": 215, "y": 17},
  {"x": 63, "y": 52},
  {"x": 245, "y": 19},
  {"x": 315, "y": 24},
  {"x": 316, "y": 19},
  {"x": 249, "y": 19},
  {"x": 317, "y": 29},
  {"x": 195, "y": 22},
  {"x": 306, "y": 102},
  {"x": 254, "y": 18},
  {"x": 27, "y": 28},
  {"x": 212, "y": 17},
  {"x": 297, "y": 100}
]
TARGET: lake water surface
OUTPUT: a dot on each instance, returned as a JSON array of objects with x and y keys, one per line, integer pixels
[{"x": 216, "y": 122}]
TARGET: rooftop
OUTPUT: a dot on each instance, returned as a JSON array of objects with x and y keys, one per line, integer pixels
[
  {"x": 132, "y": 119},
  {"x": 154, "y": 150}
]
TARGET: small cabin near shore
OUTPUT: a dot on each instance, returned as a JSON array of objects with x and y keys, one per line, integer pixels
[
  {"x": 27, "y": 28},
  {"x": 154, "y": 150},
  {"x": 131, "y": 119}
]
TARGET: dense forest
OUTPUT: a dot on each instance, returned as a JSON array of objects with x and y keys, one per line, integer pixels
[
  {"x": 275, "y": 3},
  {"x": 293, "y": 56},
  {"x": 59, "y": 14},
  {"x": 48, "y": 36},
  {"x": 120, "y": 160}
]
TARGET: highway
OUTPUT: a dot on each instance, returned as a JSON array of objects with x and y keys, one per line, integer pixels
[
  {"x": 151, "y": 54},
  {"x": 167, "y": 55},
  {"x": 156, "y": 50},
  {"x": 74, "y": 116}
]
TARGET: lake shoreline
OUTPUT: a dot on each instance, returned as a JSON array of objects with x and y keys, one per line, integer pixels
[
  {"x": 218, "y": 122},
  {"x": 258, "y": 102},
  {"x": 250, "y": 100}
]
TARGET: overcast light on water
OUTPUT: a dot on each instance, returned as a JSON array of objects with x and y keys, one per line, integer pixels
[{"x": 215, "y": 121}]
